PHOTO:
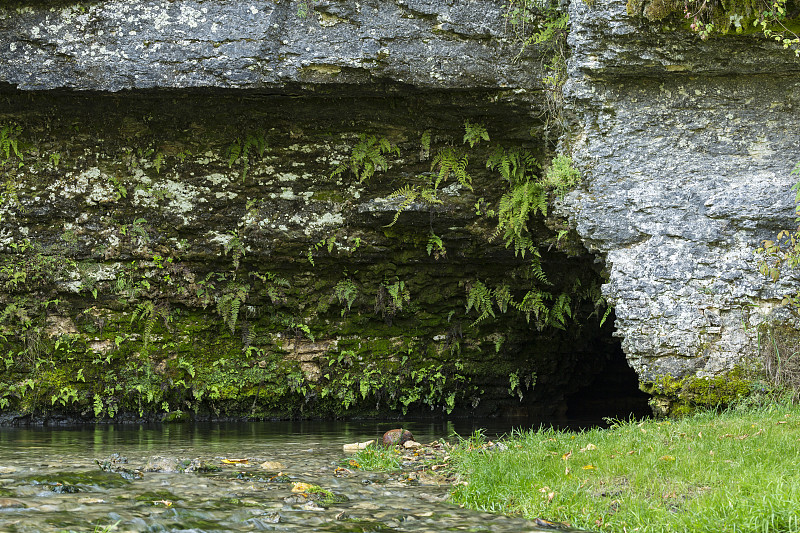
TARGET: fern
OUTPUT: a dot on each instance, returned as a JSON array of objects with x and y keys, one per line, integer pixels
[
  {"x": 536, "y": 271},
  {"x": 236, "y": 248},
  {"x": 479, "y": 297},
  {"x": 274, "y": 286},
  {"x": 367, "y": 157},
  {"x": 240, "y": 150},
  {"x": 515, "y": 165},
  {"x": 149, "y": 313},
  {"x": 560, "y": 311},
  {"x": 158, "y": 162},
  {"x": 513, "y": 212},
  {"x": 451, "y": 162},
  {"x": 398, "y": 295},
  {"x": 474, "y": 133},
  {"x": 230, "y": 303},
  {"x": 425, "y": 143},
  {"x": 502, "y": 295},
  {"x": 346, "y": 293},
  {"x": 9, "y": 144},
  {"x": 436, "y": 246},
  {"x": 533, "y": 303}
]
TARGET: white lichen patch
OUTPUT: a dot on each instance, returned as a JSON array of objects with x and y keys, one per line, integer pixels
[
  {"x": 326, "y": 219},
  {"x": 218, "y": 180},
  {"x": 220, "y": 238}
]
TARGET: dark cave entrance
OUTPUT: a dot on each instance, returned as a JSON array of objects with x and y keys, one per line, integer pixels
[{"x": 611, "y": 390}]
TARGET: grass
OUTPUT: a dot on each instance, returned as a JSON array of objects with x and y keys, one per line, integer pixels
[
  {"x": 736, "y": 471},
  {"x": 376, "y": 459}
]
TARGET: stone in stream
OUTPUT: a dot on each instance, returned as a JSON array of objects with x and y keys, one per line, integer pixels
[
  {"x": 356, "y": 446},
  {"x": 397, "y": 436},
  {"x": 10, "y": 503},
  {"x": 273, "y": 466}
]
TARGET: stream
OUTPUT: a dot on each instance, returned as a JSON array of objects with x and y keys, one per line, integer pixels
[{"x": 50, "y": 480}]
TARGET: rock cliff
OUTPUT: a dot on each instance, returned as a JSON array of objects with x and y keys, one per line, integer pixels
[
  {"x": 686, "y": 147},
  {"x": 201, "y": 213},
  {"x": 202, "y": 206}
]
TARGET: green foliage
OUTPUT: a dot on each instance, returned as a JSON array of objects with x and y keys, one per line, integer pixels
[
  {"x": 515, "y": 207},
  {"x": 304, "y": 8},
  {"x": 398, "y": 295},
  {"x": 515, "y": 165},
  {"x": 561, "y": 176},
  {"x": 229, "y": 303},
  {"x": 376, "y": 459},
  {"x": 425, "y": 143},
  {"x": 479, "y": 297},
  {"x": 367, "y": 157},
  {"x": 346, "y": 293},
  {"x": 10, "y": 147},
  {"x": 543, "y": 24},
  {"x": 435, "y": 246},
  {"x": 775, "y": 19},
  {"x": 691, "y": 474},
  {"x": 149, "y": 313},
  {"x": 451, "y": 162},
  {"x": 235, "y": 247},
  {"x": 242, "y": 150},
  {"x": 474, "y": 133},
  {"x": 427, "y": 194}
]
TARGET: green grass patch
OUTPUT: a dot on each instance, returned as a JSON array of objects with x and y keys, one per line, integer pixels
[
  {"x": 736, "y": 471},
  {"x": 376, "y": 459}
]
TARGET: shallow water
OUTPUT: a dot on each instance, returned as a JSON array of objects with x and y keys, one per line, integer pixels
[{"x": 50, "y": 481}]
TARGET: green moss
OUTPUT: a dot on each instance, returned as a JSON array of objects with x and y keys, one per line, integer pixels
[{"x": 683, "y": 396}]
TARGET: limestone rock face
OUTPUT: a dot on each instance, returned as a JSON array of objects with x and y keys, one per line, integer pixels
[
  {"x": 185, "y": 228},
  {"x": 132, "y": 44},
  {"x": 686, "y": 148}
]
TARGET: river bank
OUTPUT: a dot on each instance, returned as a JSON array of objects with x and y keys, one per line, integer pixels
[{"x": 730, "y": 471}]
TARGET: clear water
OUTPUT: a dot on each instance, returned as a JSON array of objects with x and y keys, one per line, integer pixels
[{"x": 50, "y": 481}]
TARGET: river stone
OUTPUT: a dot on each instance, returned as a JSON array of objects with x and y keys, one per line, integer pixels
[
  {"x": 172, "y": 465},
  {"x": 356, "y": 446},
  {"x": 272, "y": 466},
  {"x": 10, "y": 503},
  {"x": 397, "y": 436}
]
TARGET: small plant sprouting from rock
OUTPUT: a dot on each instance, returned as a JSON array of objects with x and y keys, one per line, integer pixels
[
  {"x": 775, "y": 19},
  {"x": 367, "y": 157},
  {"x": 346, "y": 293},
  {"x": 242, "y": 150}
]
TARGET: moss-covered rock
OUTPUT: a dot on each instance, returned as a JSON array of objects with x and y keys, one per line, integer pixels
[{"x": 675, "y": 397}]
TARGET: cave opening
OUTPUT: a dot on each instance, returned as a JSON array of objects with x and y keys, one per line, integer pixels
[{"x": 612, "y": 389}]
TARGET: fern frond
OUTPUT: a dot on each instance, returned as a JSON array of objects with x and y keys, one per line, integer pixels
[
  {"x": 479, "y": 297},
  {"x": 474, "y": 133},
  {"x": 560, "y": 311},
  {"x": 502, "y": 296},
  {"x": 409, "y": 195},
  {"x": 533, "y": 303}
]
